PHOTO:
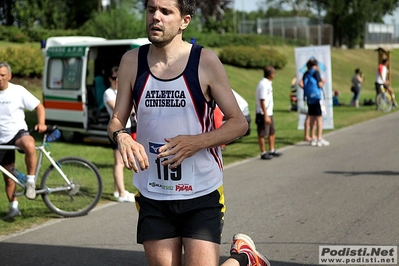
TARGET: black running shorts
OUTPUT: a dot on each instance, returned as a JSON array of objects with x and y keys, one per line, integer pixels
[
  {"x": 314, "y": 109},
  {"x": 200, "y": 218}
]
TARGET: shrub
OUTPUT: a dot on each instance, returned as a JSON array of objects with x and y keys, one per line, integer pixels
[
  {"x": 115, "y": 24},
  {"x": 252, "y": 57},
  {"x": 24, "y": 61},
  {"x": 13, "y": 34},
  {"x": 232, "y": 39},
  {"x": 38, "y": 34}
]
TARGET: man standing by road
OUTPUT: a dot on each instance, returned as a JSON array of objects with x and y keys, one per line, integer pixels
[
  {"x": 264, "y": 114},
  {"x": 175, "y": 86},
  {"x": 14, "y": 131}
]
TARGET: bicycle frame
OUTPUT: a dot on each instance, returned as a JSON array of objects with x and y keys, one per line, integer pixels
[
  {"x": 384, "y": 100},
  {"x": 42, "y": 151},
  {"x": 383, "y": 90}
]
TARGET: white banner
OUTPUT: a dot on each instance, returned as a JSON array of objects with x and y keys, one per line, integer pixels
[{"x": 323, "y": 56}]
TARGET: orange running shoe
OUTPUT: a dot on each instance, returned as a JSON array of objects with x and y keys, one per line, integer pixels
[{"x": 242, "y": 243}]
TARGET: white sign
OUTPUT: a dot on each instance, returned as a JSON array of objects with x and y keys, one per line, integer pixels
[{"x": 323, "y": 56}]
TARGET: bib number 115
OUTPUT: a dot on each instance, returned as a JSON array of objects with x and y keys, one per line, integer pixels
[{"x": 164, "y": 173}]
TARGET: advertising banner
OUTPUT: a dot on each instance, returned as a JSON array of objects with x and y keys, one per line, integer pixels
[{"x": 323, "y": 56}]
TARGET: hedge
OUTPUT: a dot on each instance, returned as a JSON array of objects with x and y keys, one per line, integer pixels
[
  {"x": 24, "y": 61},
  {"x": 252, "y": 57},
  {"x": 242, "y": 50}
]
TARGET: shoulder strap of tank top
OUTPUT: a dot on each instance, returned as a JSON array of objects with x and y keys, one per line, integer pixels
[
  {"x": 195, "y": 55},
  {"x": 142, "y": 59}
]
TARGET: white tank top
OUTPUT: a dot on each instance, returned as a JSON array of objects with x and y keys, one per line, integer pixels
[{"x": 166, "y": 109}]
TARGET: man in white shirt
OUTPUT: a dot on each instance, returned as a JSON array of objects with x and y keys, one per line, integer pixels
[
  {"x": 14, "y": 99},
  {"x": 264, "y": 114}
]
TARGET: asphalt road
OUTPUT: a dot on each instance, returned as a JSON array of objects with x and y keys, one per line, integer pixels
[{"x": 344, "y": 194}]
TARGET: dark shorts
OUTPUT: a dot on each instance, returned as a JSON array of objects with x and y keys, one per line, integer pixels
[
  {"x": 378, "y": 87},
  {"x": 200, "y": 218},
  {"x": 263, "y": 129},
  {"x": 114, "y": 145},
  {"x": 314, "y": 109},
  {"x": 7, "y": 157}
]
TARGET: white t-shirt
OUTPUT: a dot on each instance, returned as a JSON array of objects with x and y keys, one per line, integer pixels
[
  {"x": 110, "y": 95},
  {"x": 13, "y": 102},
  {"x": 264, "y": 91},
  {"x": 381, "y": 75}
]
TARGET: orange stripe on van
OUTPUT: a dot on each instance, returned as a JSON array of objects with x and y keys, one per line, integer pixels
[{"x": 73, "y": 106}]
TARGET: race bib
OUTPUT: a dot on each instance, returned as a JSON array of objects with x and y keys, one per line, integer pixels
[{"x": 176, "y": 181}]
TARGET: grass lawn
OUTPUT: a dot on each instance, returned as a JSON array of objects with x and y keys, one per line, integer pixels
[{"x": 244, "y": 81}]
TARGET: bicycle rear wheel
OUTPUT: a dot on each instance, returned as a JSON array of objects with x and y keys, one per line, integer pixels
[
  {"x": 384, "y": 102},
  {"x": 77, "y": 198}
]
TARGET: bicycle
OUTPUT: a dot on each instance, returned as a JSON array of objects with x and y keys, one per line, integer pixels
[
  {"x": 384, "y": 100},
  {"x": 70, "y": 186}
]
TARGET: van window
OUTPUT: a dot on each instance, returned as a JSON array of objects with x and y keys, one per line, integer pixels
[{"x": 64, "y": 73}]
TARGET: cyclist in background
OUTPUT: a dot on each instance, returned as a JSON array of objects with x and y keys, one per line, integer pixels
[
  {"x": 14, "y": 131},
  {"x": 382, "y": 80}
]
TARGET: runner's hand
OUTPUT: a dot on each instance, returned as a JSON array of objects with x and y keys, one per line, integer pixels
[
  {"x": 179, "y": 148},
  {"x": 132, "y": 151}
]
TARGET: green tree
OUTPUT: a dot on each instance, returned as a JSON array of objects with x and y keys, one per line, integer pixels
[
  {"x": 213, "y": 14},
  {"x": 347, "y": 17},
  {"x": 49, "y": 14},
  {"x": 6, "y": 12},
  {"x": 116, "y": 23},
  {"x": 78, "y": 12},
  {"x": 294, "y": 7}
]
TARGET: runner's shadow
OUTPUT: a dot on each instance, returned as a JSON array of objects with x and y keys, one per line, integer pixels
[
  {"x": 50, "y": 255},
  {"x": 278, "y": 263},
  {"x": 356, "y": 173}
]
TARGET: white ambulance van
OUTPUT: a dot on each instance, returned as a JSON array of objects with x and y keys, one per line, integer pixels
[{"x": 74, "y": 80}]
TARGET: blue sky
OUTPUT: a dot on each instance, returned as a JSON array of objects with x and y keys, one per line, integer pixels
[
  {"x": 395, "y": 16},
  {"x": 246, "y": 5},
  {"x": 251, "y": 5}
]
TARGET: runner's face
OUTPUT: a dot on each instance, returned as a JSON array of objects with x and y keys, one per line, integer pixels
[
  {"x": 4, "y": 78},
  {"x": 164, "y": 21}
]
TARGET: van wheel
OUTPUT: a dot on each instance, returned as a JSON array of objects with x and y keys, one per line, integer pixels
[
  {"x": 70, "y": 136},
  {"x": 249, "y": 127},
  {"x": 248, "y": 131}
]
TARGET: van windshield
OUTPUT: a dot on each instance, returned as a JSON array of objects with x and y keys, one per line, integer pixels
[{"x": 64, "y": 73}]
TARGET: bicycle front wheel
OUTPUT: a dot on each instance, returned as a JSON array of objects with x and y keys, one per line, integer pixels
[
  {"x": 79, "y": 196},
  {"x": 384, "y": 102}
]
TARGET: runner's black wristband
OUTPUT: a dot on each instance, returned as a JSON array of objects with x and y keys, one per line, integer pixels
[{"x": 116, "y": 133}]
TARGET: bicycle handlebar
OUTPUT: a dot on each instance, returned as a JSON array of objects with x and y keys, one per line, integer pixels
[
  {"x": 51, "y": 134},
  {"x": 50, "y": 128}
]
